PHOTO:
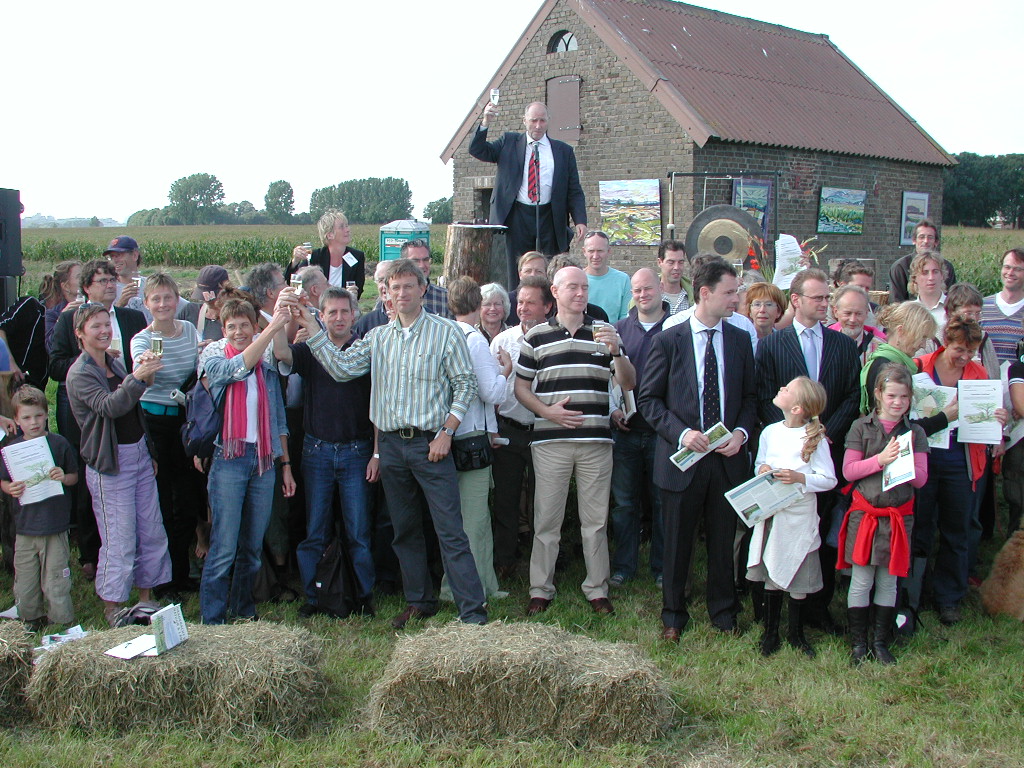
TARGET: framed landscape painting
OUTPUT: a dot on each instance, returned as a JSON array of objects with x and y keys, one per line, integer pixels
[
  {"x": 915, "y": 208},
  {"x": 755, "y": 197},
  {"x": 841, "y": 211},
  {"x": 631, "y": 211}
]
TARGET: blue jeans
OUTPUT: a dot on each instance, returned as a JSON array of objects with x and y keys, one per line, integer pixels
[
  {"x": 947, "y": 503},
  {"x": 632, "y": 460},
  {"x": 324, "y": 467},
  {"x": 240, "y": 503}
]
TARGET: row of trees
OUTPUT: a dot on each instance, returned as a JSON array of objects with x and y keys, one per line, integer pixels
[
  {"x": 199, "y": 199},
  {"x": 983, "y": 188}
]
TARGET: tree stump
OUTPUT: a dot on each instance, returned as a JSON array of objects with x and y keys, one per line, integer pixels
[{"x": 478, "y": 251}]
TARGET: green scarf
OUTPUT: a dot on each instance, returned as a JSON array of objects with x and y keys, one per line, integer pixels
[{"x": 889, "y": 352}]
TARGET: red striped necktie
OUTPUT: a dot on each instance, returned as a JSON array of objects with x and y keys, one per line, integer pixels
[{"x": 533, "y": 178}]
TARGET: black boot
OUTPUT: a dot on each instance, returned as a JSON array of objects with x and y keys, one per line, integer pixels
[
  {"x": 858, "y": 618},
  {"x": 772, "y": 614},
  {"x": 757, "y": 599},
  {"x": 796, "y": 628},
  {"x": 884, "y": 617}
]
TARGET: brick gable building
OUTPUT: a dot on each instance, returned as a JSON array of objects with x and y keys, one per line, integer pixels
[{"x": 644, "y": 87}]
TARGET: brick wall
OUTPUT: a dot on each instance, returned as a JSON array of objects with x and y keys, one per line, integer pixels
[{"x": 627, "y": 134}]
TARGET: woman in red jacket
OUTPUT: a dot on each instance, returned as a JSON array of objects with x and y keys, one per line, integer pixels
[{"x": 947, "y": 499}]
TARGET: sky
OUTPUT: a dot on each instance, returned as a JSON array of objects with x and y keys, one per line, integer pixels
[{"x": 118, "y": 99}]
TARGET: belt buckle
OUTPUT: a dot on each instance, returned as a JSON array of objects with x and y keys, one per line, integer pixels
[{"x": 407, "y": 433}]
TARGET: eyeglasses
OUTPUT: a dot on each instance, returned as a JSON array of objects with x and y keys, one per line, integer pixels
[
  {"x": 104, "y": 280},
  {"x": 763, "y": 305},
  {"x": 815, "y": 299}
]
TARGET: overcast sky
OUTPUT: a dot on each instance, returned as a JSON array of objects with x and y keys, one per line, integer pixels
[{"x": 113, "y": 101}]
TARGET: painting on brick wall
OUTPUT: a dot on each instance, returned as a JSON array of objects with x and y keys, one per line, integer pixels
[
  {"x": 915, "y": 208},
  {"x": 755, "y": 197},
  {"x": 631, "y": 211},
  {"x": 841, "y": 211}
]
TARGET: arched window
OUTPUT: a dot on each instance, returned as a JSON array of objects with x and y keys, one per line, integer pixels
[{"x": 562, "y": 41}]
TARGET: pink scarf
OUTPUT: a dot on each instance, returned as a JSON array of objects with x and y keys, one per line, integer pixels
[{"x": 234, "y": 429}]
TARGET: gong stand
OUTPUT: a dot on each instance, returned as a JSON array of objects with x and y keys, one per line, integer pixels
[{"x": 726, "y": 176}]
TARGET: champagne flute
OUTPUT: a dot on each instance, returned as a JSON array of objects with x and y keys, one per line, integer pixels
[
  {"x": 156, "y": 343},
  {"x": 602, "y": 349},
  {"x": 495, "y": 94},
  {"x": 350, "y": 286},
  {"x": 296, "y": 283}
]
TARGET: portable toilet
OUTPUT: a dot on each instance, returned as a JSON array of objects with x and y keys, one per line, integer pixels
[{"x": 396, "y": 233}]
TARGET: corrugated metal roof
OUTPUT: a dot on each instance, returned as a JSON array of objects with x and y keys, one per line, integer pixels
[{"x": 760, "y": 83}]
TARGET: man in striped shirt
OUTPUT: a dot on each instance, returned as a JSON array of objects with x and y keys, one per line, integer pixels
[
  {"x": 421, "y": 383},
  {"x": 562, "y": 376},
  {"x": 1002, "y": 317}
]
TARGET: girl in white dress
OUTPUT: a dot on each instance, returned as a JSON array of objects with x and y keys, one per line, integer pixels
[{"x": 784, "y": 548}]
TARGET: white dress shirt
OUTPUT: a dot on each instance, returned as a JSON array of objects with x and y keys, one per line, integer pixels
[{"x": 547, "y": 171}]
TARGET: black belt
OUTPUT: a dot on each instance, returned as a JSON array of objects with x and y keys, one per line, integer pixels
[
  {"x": 408, "y": 433},
  {"x": 515, "y": 424}
]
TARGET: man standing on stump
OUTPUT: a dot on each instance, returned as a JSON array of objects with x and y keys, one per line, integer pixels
[{"x": 537, "y": 187}]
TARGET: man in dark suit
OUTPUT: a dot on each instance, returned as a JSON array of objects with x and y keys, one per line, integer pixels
[
  {"x": 99, "y": 284},
  {"x": 537, "y": 187},
  {"x": 698, "y": 373},
  {"x": 808, "y": 348}
]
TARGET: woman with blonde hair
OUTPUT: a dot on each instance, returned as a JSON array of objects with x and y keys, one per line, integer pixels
[{"x": 907, "y": 325}]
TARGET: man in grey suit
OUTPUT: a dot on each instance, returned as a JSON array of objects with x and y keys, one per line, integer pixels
[
  {"x": 537, "y": 187},
  {"x": 808, "y": 348},
  {"x": 698, "y": 373}
]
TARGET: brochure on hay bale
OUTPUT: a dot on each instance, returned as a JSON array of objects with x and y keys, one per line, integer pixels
[
  {"x": 685, "y": 458},
  {"x": 169, "y": 630},
  {"x": 30, "y": 462}
]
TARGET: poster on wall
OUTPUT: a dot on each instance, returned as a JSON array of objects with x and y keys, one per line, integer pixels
[
  {"x": 755, "y": 197},
  {"x": 631, "y": 211},
  {"x": 841, "y": 211},
  {"x": 915, "y": 208}
]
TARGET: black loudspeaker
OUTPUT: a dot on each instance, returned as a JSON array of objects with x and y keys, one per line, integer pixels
[{"x": 10, "y": 233}]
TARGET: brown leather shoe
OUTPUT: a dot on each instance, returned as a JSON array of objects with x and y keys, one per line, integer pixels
[
  {"x": 537, "y": 605},
  {"x": 602, "y": 605},
  {"x": 670, "y": 634},
  {"x": 411, "y": 612}
]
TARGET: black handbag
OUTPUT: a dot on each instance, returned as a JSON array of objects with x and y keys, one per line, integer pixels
[
  {"x": 204, "y": 417},
  {"x": 472, "y": 452}
]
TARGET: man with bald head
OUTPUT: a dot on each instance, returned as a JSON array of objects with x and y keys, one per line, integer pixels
[
  {"x": 537, "y": 187},
  {"x": 635, "y": 439},
  {"x": 562, "y": 376}
]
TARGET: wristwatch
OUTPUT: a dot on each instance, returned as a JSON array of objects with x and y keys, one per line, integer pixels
[{"x": 448, "y": 431}]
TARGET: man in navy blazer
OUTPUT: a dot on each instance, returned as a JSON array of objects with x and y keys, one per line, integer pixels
[
  {"x": 784, "y": 355},
  {"x": 672, "y": 400},
  {"x": 537, "y": 220}
]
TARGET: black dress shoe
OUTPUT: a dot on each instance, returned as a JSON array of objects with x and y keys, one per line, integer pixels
[
  {"x": 670, "y": 634},
  {"x": 537, "y": 605},
  {"x": 308, "y": 610}
]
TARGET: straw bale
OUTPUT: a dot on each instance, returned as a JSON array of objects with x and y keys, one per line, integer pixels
[
  {"x": 227, "y": 679},
  {"x": 518, "y": 681},
  {"x": 15, "y": 668}
]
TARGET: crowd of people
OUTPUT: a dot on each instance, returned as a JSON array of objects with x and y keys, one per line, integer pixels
[{"x": 437, "y": 435}]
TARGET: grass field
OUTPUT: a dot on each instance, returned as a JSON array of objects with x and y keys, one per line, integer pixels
[{"x": 954, "y": 700}]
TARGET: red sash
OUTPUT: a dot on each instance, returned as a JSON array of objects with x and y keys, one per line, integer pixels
[{"x": 899, "y": 547}]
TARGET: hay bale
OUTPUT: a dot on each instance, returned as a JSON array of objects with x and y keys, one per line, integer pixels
[
  {"x": 518, "y": 681},
  {"x": 224, "y": 679},
  {"x": 15, "y": 668},
  {"x": 1003, "y": 591}
]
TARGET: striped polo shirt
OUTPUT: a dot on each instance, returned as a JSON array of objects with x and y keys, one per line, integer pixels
[
  {"x": 563, "y": 365},
  {"x": 1004, "y": 330},
  {"x": 181, "y": 354}
]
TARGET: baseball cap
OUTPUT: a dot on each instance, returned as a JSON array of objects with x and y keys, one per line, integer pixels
[
  {"x": 122, "y": 244},
  {"x": 209, "y": 279}
]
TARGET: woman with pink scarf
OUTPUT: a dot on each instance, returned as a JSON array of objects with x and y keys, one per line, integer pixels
[{"x": 239, "y": 371}]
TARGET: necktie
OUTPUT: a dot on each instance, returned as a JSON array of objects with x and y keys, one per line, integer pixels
[
  {"x": 810, "y": 354},
  {"x": 712, "y": 411},
  {"x": 533, "y": 179}
]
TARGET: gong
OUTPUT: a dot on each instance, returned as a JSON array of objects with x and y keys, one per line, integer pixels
[{"x": 726, "y": 231}]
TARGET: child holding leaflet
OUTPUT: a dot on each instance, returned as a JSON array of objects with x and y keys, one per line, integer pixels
[
  {"x": 41, "y": 549},
  {"x": 784, "y": 548},
  {"x": 875, "y": 534}
]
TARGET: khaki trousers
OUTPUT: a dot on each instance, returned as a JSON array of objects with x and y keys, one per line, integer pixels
[
  {"x": 554, "y": 463},
  {"x": 41, "y": 568}
]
